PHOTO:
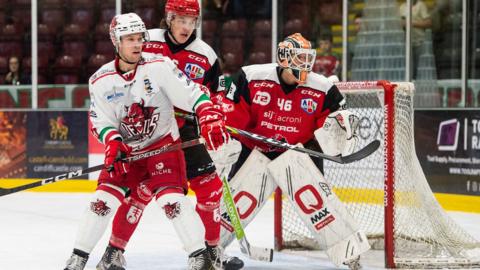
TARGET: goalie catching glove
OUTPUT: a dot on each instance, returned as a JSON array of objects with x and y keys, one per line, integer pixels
[
  {"x": 115, "y": 152},
  {"x": 212, "y": 125},
  {"x": 339, "y": 133}
]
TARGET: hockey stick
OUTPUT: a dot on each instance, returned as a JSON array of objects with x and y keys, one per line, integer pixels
[
  {"x": 78, "y": 173},
  {"x": 255, "y": 253},
  {"x": 360, "y": 154}
]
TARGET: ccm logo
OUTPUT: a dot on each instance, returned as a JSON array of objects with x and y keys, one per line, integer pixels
[
  {"x": 196, "y": 58},
  {"x": 264, "y": 84},
  {"x": 153, "y": 46}
]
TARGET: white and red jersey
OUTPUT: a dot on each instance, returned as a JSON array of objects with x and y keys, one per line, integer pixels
[
  {"x": 265, "y": 105},
  {"x": 195, "y": 57},
  {"x": 138, "y": 105}
]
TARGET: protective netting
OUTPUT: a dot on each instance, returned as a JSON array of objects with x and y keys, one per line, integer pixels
[{"x": 423, "y": 233}]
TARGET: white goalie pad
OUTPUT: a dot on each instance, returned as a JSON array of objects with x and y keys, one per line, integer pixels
[
  {"x": 251, "y": 187},
  {"x": 338, "y": 134},
  {"x": 318, "y": 206}
]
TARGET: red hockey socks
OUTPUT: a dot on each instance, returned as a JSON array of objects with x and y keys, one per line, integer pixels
[{"x": 208, "y": 190}]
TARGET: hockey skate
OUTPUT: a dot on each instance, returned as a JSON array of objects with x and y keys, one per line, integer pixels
[
  {"x": 222, "y": 261},
  {"x": 354, "y": 264},
  {"x": 200, "y": 260},
  {"x": 112, "y": 259},
  {"x": 76, "y": 262}
]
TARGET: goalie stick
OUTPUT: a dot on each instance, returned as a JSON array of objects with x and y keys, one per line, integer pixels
[
  {"x": 255, "y": 253},
  {"x": 360, "y": 154},
  {"x": 78, "y": 173}
]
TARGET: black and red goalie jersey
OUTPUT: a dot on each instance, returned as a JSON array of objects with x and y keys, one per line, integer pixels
[{"x": 265, "y": 105}]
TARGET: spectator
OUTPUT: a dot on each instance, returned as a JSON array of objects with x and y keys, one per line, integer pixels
[
  {"x": 326, "y": 63},
  {"x": 421, "y": 20},
  {"x": 14, "y": 75}
]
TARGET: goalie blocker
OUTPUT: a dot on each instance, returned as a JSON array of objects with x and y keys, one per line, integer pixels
[{"x": 320, "y": 209}]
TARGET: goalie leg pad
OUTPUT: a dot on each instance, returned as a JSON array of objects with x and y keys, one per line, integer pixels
[
  {"x": 188, "y": 225},
  {"x": 316, "y": 204},
  {"x": 95, "y": 219},
  {"x": 251, "y": 187}
]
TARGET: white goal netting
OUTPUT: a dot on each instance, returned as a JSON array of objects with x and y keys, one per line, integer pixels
[{"x": 424, "y": 236}]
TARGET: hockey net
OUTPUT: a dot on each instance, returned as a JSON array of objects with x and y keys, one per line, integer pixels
[{"x": 387, "y": 192}]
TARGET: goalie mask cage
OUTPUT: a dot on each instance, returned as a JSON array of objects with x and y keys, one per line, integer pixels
[{"x": 387, "y": 192}]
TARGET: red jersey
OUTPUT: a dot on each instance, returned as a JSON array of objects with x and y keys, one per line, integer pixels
[
  {"x": 265, "y": 105},
  {"x": 195, "y": 57}
]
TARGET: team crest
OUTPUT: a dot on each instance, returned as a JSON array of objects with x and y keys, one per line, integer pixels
[
  {"x": 194, "y": 71},
  {"x": 100, "y": 208},
  {"x": 172, "y": 210},
  {"x": 308, "y": 105}
]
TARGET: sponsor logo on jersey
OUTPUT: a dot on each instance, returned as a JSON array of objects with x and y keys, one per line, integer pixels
[
  {"x": 153, "y": 47},
  {"x": 288, "y": 129},
  {"x": 264, "y": 84},
  {"x": 113, "y": 96},
  {"x": 311, "y": 93},
  {"x": 262, "y": 98},
  {"x": 308, "y": 105},
  {"x": 194, "y": 71},
  {"x": 160, "y": 169},
  {"x": 148, "y": 86},
  {"x": 197, "y": 58}
]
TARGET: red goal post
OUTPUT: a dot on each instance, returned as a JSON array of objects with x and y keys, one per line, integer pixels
[{"x": 387, "y": 192}]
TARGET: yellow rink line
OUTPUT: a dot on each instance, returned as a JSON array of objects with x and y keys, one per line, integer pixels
[{"x": 450, "y": 202}]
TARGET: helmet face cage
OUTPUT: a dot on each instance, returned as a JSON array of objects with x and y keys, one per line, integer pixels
[
  {"x": 296, "y": 53},
  {"x": 190, "y": 8},
  {"x": 126, "y": 24}
]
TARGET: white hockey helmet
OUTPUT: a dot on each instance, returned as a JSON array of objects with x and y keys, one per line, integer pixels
[
  {"x": 296, "y": 53},
  {"x": 126, "y": 24}
]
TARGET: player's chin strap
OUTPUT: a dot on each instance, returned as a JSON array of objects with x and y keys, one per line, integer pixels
[{"x": 78, "y": 173}]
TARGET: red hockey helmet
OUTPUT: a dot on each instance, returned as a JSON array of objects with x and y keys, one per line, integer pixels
[{"x": 183, "y": 7}]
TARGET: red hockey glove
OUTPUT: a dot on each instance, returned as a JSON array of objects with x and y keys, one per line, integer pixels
[
  {"x": 115, "y": 151},
  {"x": 212, "y": 126}
]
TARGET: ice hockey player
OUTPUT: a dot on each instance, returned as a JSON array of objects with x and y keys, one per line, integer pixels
[
  {"x": 199, "y": 62},
  {"x": 288, "y": 102},
  {"x": 132, "y": 111}
]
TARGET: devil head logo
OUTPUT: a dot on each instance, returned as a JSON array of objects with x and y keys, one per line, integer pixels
[
  {"x": 137, "y": 118},
  {"x": 100, "y": 208}
]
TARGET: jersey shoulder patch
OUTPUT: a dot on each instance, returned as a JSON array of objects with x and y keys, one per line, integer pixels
[
  {"x": 103, "y": 71},
  {"x": 157, "y": 35},
  {"x": 201, "y": 47},
  {"x": 318, "y": 82},
  {"x": 261, "y": 72}
]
